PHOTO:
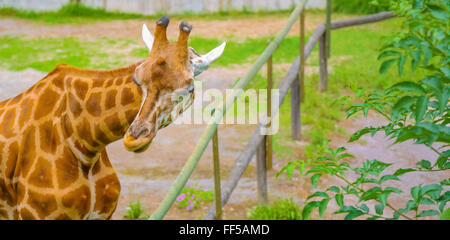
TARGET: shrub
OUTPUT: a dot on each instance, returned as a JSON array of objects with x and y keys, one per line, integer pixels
[
  {"x": 282, "y": 209},
  {"x": 416, "y": 110}
]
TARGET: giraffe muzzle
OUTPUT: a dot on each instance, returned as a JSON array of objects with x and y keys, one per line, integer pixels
[{"x": 138, "y": 138}]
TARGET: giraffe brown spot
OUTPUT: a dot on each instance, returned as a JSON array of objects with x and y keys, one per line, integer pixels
[
  {"x": 7, "y": 129},
  {"x": 97, "y": 83},
  {"x": 67, "y": 126},
  {"x": 49, "y": 137},
  {"x": 3, "y": 214},
  {"x": 25, "y": 214},
  {"x": 2, "y": 145},
  {"x": 109, "y": 83},
  {"x": 85, "y": 169},
  {"x": 131, "y": 115},
  {"x": 28, "y": 151},
  {"x": 79, "y": 200},
  {"x": 46, "y": 103},
  {"x": 58, "y": 82},
  {"x": 62, "y": 216},
  {"x": 105, "y": 159},
  {"x": 113, "y": 123},
  {"x": 67, "y": 169},
  {"x": 127, "y": 96},
  {"x": 110, "y": 100},
  {"x": 25, "y": 112},
  {"x": 20, "y": 192},
  {"x": 84, "y": 132},
  {"x": 93, "y": 104},
  {"x": 100, "y": 135},
  {"x": 119, "y": 81},
  {"x": 42, "y": 174},
  {"x": 81, "y": 88},
  {"x": 12, "y": 160},
  {"x": 6, "y": 193},
  {"x": 97, "y": 167},
  {"x": 68, "y": 81},
  {"x": 74, "y": 105},
  {"x": 44, "y": 204},
  {"x": 88, "y": 153},
  {"x": 62, "y": 106},
  {"x": 107, "y": 192}
]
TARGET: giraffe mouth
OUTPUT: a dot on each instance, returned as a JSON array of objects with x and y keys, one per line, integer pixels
[
  {"x": 137, "y": 145},
  {"x": 143, "y": 148}
]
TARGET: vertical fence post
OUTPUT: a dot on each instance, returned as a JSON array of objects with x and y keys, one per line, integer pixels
[
  {"x": 328, "y": 29},
  {"x": 295, "y": 110},
  {"x": 323, "y": 62},
  {"x": 269, "y": 111},
  {"x": 217, "y": 190},
  {"x": 261, "y": 180},
  {"x": 301, "y": 71}
]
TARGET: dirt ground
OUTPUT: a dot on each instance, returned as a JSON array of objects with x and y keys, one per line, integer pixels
[
  {"x": 147, "y": 176},
  {"x": 238, "y": 28}
]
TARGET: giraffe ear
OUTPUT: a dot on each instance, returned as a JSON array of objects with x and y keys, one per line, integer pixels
[
  {"x": 147, "y": 37},
  {"x": 202, "y": 62}
]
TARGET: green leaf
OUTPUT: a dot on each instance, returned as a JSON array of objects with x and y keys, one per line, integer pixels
[
  {"x": 354, "y": 214},
  {"x": 323, "y": 206},
  {"x": 424, "y": 164},
  {"x": 309, "y": 207},
  {"x": 400, "y": 64},
  {"x": 404, "y": 103},
  {"x": 314, "y": 179},
  {"x": 317, "y": 194},
  {"x": 408, "y": 86},
  {"x": 385, "y": 65},
  {"x": 427, "y": 213},
  {"x": 402, "y": 171},
  {"x": 388, "y": 177},
  {"x": 333, "y": 189},
  {"x": 415, "y": 191},
  {"x": 339, "y": 200},
  {"x": 421, "y": 107},
  {"x": 370, "y": 194},
  {"x": 364, "y": 208},
  {"x": 388, "y": 53},
  {"x": 445, "y": 215},
  {"x": 446, "y": 182},
  {"x": 379, "y": 209}
]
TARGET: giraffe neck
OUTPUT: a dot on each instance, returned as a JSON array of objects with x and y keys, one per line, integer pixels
[{"x": 101, "y": 105}]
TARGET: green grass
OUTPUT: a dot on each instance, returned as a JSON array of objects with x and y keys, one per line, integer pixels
[
  {"x": 282, "y": 209},
  {"x": 359, "y": 6},
  {"x": 78, "y": 14},
  {"x": 135, "y": 211},
  {"x": 43, "y": 54}
]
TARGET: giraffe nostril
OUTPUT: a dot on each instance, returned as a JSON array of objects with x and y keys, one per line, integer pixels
[{"x": 136, "y": 132}]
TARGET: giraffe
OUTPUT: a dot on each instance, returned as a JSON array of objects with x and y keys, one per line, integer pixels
[{"x": 53, "y": 162}]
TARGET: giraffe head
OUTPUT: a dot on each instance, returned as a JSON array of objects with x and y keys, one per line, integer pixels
[{"x": 166, "y": 78}]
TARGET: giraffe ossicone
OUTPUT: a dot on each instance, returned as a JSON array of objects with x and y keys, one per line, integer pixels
[{"x": 53, "y": 162}]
